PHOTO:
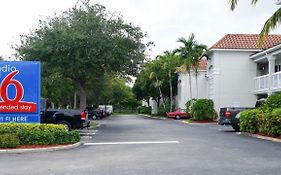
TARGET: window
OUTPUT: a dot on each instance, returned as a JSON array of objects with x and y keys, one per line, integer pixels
[{"x": 278, "y": 68}]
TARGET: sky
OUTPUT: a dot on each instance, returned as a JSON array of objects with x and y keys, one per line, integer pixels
[{"x": 164, "y": 21}]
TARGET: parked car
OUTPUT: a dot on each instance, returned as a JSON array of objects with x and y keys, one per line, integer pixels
[
  {"x": 178, "y": 114},
  {"x": 95, "y": 113},
  {"x": 231, "y": 115},
  {"x": 70, "y": 118}
]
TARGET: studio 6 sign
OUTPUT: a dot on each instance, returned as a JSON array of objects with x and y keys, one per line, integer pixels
[{"x": 19, "y": 91}]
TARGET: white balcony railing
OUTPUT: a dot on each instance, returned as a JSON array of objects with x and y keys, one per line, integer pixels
[
  {"x": 261, "y": 82},
  {"x": 276, "y": 80}
]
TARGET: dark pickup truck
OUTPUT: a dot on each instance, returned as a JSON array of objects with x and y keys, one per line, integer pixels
[
  {"x": 231, "y": 115},
  {"x": 70, "y": 118}
]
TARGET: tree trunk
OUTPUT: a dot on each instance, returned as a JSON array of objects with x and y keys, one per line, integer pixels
[
  {"x": 196, "y": 76},
  {"x": 171, "y": 91},
  {"x": 83, "y": 95},
  {"x": 148, "y": 101},
  {"x": 75, "y": 100},
  {"x": 190, "y": 88},
  {"x": 159, "y": 88}
]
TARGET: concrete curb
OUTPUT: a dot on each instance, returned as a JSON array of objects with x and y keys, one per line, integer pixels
[
  {"x": 35, "y": 150},
  {"x": 261, "y": 137},
  {"x": 149, "y": 116}
]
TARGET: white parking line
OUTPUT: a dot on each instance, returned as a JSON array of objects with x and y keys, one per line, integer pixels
[{"x": 131, "y": 143}]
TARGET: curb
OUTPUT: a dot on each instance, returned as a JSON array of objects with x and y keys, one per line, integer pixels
[
  {"x": 35, "y": 150},
  {"x": 149, "y": 116},
  {"x": 261, "y": 137}
]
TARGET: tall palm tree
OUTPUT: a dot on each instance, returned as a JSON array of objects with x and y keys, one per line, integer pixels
[
  {"x": 199, "y": 49},
  {"x": 157, "y": 84},
  {"x": 170, "y": 63},
  {"x": 270, "y": 24},
  {"x": 191, "y": 52},
  {"x": 185, "y": 52}
]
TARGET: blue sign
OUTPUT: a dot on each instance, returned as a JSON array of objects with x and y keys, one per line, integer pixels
[{"x": 20, "y": 91}]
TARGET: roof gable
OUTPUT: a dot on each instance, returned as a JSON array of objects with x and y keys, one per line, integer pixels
[{"x": 246, "y": 41}]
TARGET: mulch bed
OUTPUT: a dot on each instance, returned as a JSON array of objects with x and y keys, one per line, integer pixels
[
  {"x": 203, "y": 121},
  {"x": 33, "y": 146}
]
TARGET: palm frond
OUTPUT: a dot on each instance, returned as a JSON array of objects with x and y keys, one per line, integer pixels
[
  {"x": 269, "y": 25},
  {"x": 233, "y": 4}
]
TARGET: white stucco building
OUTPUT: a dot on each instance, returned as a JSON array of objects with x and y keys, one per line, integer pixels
[
  {"x": 238, "y": 71},
  {"x": 184, "y": 85}
]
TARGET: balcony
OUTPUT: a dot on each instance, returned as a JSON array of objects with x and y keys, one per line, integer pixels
[{"x": 262, "y": 83}]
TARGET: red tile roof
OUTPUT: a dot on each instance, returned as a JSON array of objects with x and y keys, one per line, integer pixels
[
  {"x": 246, "y": 41},
  {"x": 203, "y": 64}
]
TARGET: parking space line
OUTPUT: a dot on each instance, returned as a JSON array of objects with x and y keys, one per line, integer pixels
[{"x": 131, "y": 143}]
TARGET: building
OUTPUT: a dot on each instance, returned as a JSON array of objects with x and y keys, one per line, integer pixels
[
  {"x": 184, "y": 83},
  {"x": 239, "y": 72}
]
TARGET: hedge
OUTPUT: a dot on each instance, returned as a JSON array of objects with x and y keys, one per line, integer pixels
[
  {"x": 9, "y": 141},
  {"x": 41, "y": 134},
  {"x": 250, "y": 120},
  {"x": 266, "y": 123}
]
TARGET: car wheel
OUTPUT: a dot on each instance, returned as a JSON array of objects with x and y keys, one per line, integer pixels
[
  {"x": 66, "y": 125},
  {"x": 94, "y": 117},
  {"x": 236, "y": 127},
  {"x": 178, "y": 117}
]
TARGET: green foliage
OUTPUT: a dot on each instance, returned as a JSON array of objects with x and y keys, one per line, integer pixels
[
  {"x": 203, "y": 109},
  {"x": 83, "y": 42},
  {"x": 272, "y": 102},
  {"x": 163, "y": 111},
  {"x": 9, "y": 140},
  {"x": 249, "y": 120},
  {"x": 43, "y": 134},
  {"x": 144, "y": 109},
  {"x": 189, "y": 104},
  {"x": 270, "y": 123}
]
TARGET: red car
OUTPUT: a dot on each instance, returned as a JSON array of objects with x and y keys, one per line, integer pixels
[{"x": 178, "y": 114}]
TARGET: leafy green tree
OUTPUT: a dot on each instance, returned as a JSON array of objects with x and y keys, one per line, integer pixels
[
  {"x": 83, "y": 42},
  {"x": 170, "y": 61},
  {"x": 270, "y": 24}
]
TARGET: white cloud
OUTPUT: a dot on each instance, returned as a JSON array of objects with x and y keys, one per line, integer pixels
[{"x": 163, "y": 20}]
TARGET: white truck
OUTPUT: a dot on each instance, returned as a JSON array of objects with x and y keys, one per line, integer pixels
[{"x": 107, "y": 108}]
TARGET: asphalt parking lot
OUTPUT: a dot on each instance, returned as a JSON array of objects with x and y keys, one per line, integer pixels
[{"x": 140, "y": 145}]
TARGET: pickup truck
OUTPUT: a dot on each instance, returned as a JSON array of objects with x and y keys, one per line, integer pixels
[
  {"x": 231, "y": 115},
  {"x": 70, "y": 118}
]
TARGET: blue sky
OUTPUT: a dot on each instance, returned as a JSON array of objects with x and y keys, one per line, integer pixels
[{"x": 164, "y": 21}]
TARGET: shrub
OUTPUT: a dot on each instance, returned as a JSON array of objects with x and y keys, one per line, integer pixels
[
  {"x": 250, "y": 120},
  {"x": 272, "y": 102},
  {"x": 270, "y": 124},
  {"x": 43, "y": 134},
  {"x": 163, "y": 111},
  {"x": 9, "y": 141},
  {"x": 203, "y": 109},
  {"x": 144, "y": 109},
  {"x": 189, "y": 104}
]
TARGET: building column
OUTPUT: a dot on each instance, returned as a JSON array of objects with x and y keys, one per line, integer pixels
[{"x": 271, "y": 67}]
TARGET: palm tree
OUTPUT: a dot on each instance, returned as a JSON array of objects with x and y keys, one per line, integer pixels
[
  {"x": 158, "y": 83},
  {"x": 186, "y": 53},
  {"x": 199, "y": 49},
  {"x": 170, "y": 63},
  {"x": 270, "y": 24},
  {"x": 191, "y": 53}
]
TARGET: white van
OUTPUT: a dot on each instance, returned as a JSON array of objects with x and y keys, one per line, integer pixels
[{"x": 107, "y": 108}]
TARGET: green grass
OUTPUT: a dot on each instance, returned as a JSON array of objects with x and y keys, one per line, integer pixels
[{"x": 93, "y": 124}]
